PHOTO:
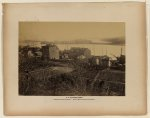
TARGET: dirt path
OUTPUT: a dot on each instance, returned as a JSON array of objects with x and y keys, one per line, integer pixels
[{"x": 96, "y": 78}]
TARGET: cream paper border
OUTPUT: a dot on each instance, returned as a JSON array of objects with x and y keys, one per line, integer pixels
[
  {"x": 39, "y": 1},
  {"x": 133, "y": 14}
]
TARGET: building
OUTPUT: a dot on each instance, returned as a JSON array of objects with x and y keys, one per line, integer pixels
[
  {"x": 79, "y": 53},
  {"x": 101, "y": 61},
  {"x": 64, "y": 54},
  {"x": 119, "y": 63},
  {"x": 30, "y": 54},
  {"x": 38, "y": 54},
  {"x": 50, "y": 51},
  {"x": 81, "y": 57}
]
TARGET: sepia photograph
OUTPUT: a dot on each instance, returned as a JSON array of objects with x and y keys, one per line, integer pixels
[
  {"x": 72, "y": 58},
  {"x": 61, "y": 58}
]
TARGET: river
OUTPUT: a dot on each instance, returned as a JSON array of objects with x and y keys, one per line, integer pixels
[{"x": 97, "y": 49}]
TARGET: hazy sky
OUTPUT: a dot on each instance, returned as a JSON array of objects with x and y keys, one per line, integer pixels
[{"x": 63, "y": 31}]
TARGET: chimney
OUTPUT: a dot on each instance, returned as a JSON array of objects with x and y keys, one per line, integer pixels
[{"x": 121, "y": 51}]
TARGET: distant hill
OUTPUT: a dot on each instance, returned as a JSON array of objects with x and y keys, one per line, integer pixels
[{"x": 110, "y": 41}]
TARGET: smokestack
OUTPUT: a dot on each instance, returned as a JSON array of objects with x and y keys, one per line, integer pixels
[{"x": 121, "y": 51}]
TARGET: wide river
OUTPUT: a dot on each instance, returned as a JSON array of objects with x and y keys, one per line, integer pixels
[{"x": 97, "y": 49}]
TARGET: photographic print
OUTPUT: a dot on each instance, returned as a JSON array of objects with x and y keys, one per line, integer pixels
[
  {"x": 71, "y": 59},
  {"x": 61, "y": 58}
]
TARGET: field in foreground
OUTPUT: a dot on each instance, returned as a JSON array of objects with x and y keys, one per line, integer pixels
[{"x": 64, "y": 79}]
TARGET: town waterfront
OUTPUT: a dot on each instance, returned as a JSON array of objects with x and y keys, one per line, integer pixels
[{"x": 97, "y": 49}]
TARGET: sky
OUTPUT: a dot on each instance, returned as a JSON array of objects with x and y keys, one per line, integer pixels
[{"x": 109, "y": 32}]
